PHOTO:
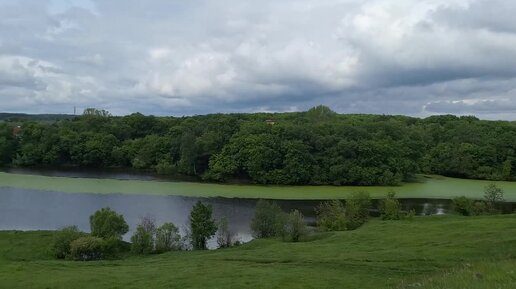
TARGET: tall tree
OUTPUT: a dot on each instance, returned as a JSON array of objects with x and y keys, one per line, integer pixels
[{"x": 202, "y": 225}]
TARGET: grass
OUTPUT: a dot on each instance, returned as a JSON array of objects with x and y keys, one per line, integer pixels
[
  {"x": 428, "y": 252},
  {"x": 428, "y": 187},
  {"x": 487, "y": 274}
]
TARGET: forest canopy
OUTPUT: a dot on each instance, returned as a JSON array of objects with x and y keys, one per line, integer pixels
[{"x": 318, "y": 146}]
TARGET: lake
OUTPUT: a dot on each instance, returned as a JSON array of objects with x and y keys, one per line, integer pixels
[
  {"x": 52, "y": 199},
  {"x": 23, "y": 209}
]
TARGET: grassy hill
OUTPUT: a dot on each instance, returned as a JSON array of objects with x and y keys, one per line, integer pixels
[{"x": 428, "y": 252}]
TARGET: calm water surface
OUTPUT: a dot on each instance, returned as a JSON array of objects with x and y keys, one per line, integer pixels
[{"x": 22, "y": 209}]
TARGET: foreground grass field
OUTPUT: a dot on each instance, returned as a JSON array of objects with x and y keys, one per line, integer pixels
[
  {"x": 428, "y": 252},
  {"x": 427, "y": 187}
]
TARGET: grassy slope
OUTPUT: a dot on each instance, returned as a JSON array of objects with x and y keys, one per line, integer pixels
[
  {"x": 434, "y": 252},
  {"x": 434, "y": 187}
]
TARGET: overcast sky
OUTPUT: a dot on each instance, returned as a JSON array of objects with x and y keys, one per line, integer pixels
[{"x": 169, "y": 57}]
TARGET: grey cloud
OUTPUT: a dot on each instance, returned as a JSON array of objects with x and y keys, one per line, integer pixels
[
  {"x": 193, "y": 57},
  {"x": 495, "y": 15},
  {"x": 472, "y": 106}
]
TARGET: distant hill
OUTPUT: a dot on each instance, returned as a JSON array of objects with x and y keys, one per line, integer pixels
[{"x": 36, "y": 117}]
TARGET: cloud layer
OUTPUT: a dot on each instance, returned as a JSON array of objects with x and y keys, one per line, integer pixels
[{"x": 192, "y": 57}]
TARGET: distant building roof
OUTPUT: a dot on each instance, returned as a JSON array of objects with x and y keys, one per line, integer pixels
[{"x": 17, "y": 130}]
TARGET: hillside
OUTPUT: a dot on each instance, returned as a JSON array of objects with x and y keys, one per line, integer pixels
[{"x": 428, "y": 252}]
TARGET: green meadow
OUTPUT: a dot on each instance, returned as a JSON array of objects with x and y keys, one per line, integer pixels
[
  {"x": 427, "y": 252},
  {"x": 425, "y": 187}
]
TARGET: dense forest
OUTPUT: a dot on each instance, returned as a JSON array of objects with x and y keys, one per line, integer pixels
[{"x": 318, "y": 146}]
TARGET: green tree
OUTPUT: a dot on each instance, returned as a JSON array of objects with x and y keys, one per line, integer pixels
[
  {"x": 106, "y": 223},
  {"x": 202, "y": 225},
  {"x": 142, "y": 241},
  {"x": 331, "y": 216},
  {"x": 96, "y": 112},
  {"x": 224, "y": 235},
  {"x": 493, "y": 196},
  {"x": 268, "y": 220}
]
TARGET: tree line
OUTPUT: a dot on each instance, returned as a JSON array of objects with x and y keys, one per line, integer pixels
[{"x": 316, "y": 147}]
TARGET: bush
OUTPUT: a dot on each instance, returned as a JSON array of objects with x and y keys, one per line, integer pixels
[
  {"x": 202, "y": 225},
  {"x": 331, "y": 216},
  {"x": 390, "y": 207},
  {"x": 62, "y": 240},
  {"x": 268, "y": 220},
  {"x": 479, "y": 208},
  {"x": 295, "y": 227},
  {"x": 167, "y": 238},
  {"x": 357, "y": 210},
  {"x": 410, "y": 215},
  {"x": 113, "y": 247},
  {"x": 87, "y": 248},
  {"x": 106, "y": 223},
  {"x": 224, "y": 235},
  {"x": 463, "y": 206}
]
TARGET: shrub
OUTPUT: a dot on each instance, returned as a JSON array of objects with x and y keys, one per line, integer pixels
[
  {"x": 167, "y": 238},
  {"x": 113, "y": 247},
  {"x": 224, "y": 235},
  {"x": 479, "y": 208},
  {"x": 463, "y": 206},
  {"x": 202, "y": 225},
  {"x": 62, "y": 240},
  {"x": 410, "y": 215},
  {"x": 87, "y": 248},
  {"x": 357, "y": 210},
  {"x": 106, "y": 223},
  {"x": 390, "y": 207},
  {"x": 268, "y": 220},
  {"x": 331, "y": 216},
  {"x": 295, "y": 227}
]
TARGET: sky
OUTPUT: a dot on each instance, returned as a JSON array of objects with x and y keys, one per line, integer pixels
[{"x": 172, "y": 57}]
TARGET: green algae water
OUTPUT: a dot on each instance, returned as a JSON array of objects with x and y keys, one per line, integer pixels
[{"x": 428, "y": 187}]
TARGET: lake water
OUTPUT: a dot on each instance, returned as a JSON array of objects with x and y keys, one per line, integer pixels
[
  {"x": 22, "y": 209},
  {"x": 27, "y": 209}
]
